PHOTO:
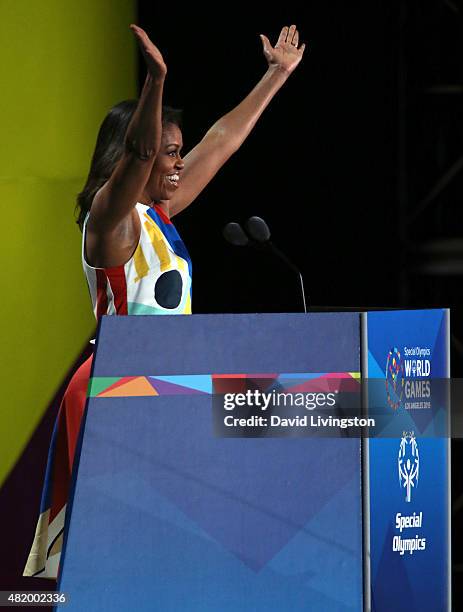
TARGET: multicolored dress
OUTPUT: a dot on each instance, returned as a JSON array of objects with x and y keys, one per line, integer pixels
[{"x": 155, "y": 280}]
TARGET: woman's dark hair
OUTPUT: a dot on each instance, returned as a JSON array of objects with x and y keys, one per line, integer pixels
[{"x": 110, "y": 145}]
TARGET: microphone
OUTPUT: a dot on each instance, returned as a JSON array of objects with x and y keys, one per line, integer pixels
[
  {"x": 234, "y": 234},
  {"x": 258, "y": 229},
  {"x": 259, "y": 232}
]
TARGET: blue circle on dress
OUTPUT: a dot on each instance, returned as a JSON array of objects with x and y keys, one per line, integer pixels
[{"x": 168, "y": 289}]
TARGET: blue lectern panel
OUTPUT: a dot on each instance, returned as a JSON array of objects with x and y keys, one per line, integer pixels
[
  {"x": 227, "y": 343},
  {"x": 167, "y": 516},
  {"x": 409, "y": 480}
]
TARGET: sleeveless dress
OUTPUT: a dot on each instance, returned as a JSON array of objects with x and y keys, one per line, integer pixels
[{"x": 155, "y": 280}]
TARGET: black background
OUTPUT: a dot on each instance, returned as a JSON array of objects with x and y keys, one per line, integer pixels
[{"x": 318, "y": 167}]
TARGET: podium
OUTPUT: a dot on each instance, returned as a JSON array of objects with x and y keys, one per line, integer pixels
[{"x": 183, "y": 500}]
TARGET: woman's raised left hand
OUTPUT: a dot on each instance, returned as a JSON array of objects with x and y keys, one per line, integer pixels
[
  {"x": 286, "y": 54},
  {"x": 153, "y": 58}
]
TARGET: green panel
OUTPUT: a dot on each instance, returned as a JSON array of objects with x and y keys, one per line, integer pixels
[
  {"x": 100, "y": 384},
  {"x": 63, "y": 66}
]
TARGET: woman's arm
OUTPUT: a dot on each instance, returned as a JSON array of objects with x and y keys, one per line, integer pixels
[
  {"x": 116, "y": 199},
  {"x": 229, "y": 132}
]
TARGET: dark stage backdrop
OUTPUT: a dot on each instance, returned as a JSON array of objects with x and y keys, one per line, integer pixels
[{"x": 319, "y": 166}]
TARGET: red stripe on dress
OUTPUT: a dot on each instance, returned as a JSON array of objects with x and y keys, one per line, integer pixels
[
  {"x": 67, "y": 434},
  {"x": 162, "y": 214},
  {"x": 116, "y": 278},
  {"x": 61, "y": 471},
  {"x": 101, "y": 295}
]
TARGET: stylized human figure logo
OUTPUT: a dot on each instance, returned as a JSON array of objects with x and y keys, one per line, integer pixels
[
  {"x": 394, "y": 378},
  {"x": 408, "y": 463}
]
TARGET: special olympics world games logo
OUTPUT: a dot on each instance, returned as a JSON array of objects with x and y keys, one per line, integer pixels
[
  {"x": 394, "y": 378},
  {"x": 408, "y": 463}
]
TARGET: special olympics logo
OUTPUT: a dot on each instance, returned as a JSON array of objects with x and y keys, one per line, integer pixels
[
  {"x": 408, "y": 463},
  {"x": 394, "y": 378}
]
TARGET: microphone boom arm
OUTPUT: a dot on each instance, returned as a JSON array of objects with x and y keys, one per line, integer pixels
[{"x": 290, "y": 264}]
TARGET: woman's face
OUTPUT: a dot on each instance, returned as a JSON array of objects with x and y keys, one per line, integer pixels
[{"x": 167, "y": 168}]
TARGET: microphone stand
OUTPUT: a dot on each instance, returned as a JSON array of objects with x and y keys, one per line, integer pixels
[
  {"x": 260, "y": 239},
  {"x": 290, "y": 264}
]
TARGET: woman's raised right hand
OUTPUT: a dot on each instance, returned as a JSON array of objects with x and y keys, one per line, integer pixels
[{"x": 153, "y": 58}]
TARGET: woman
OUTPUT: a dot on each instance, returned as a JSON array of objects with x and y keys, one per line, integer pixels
[{"x": 133, "y": 258}]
